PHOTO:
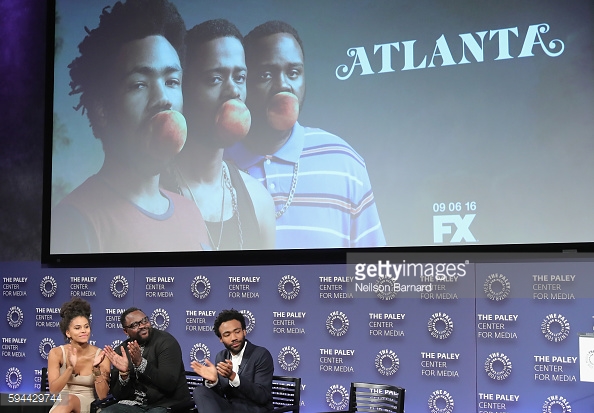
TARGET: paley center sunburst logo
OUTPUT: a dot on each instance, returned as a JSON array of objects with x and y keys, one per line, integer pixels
[
  {"x": 48, "y": 286},
  {"x": 555, "y": 327},
  {"x": 15, "y": 316},
  {"x": 119, "y": 286},
  {"x": 561, "y": 403},
  {"x": 288, "y": 287},
  {"x": 497, "y": 287},
  {"x": 160, "y": 319},
  {"x": 337, "y": 397},
  {"x": 498, "y": 366},
  {"x": 289, "y": 358},
  {"x": 440, "y": 401},
  {"x": 337, "y": 323},
  {"x": 590, "y": 359},
  {"x": 250, "y": 320},
  {"x": 13, "y": 378},
  {"x": 387, "y": 362},
  {"x": 45, "y": 346},
  {"x": 440, "y": 325},
  {"x": 199, "y": 352},
  {"x": 386, "y": 289},
  {"x": 200, "y": 287}
]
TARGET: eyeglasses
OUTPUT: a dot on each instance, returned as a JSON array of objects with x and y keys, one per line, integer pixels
[{"x": 137, "y": 324}]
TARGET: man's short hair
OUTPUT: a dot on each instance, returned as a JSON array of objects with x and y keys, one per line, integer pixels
[
  {"x": 268, "y": 29},
  {"x": 125, "y": 314},
  {"x": 132, "y": 20},
  {"x": 207, "y": 31},
  {"x": 228, "y": 315}
]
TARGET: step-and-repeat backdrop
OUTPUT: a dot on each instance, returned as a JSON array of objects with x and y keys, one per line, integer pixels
[{"x": 464, "y": 337}]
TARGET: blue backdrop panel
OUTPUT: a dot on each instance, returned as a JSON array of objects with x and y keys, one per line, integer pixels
[
  {"x": 502, "y": 338},
  {"x": 528, "y": 319},
  {"x": 32, "y": 297}
]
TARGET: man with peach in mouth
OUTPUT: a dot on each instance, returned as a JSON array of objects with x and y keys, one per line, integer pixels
[
  {"x": 129, "y": 77},
  {"x": 319, "y": 184},
  {"x": 239, "y": 212}
]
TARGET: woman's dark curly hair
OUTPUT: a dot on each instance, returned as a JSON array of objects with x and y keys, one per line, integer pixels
[
  {"x": 135, "y": 19},
  {"x": 77, "y": 307}
]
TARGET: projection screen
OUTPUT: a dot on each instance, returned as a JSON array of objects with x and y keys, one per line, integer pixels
[{"x": 473, "y": 121}]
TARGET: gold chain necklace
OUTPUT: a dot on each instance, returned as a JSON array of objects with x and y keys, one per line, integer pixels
[
  {"x": 280, "y": 212},
  {"x": 234, "y": 204}
]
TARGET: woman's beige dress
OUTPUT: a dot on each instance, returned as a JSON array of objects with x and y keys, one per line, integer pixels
[{"x": 81, "y": 386}]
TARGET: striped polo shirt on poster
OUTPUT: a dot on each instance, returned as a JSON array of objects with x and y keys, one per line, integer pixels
[{"x": 321, "y": 191}]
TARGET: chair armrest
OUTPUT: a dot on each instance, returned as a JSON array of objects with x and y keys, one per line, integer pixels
[
  {"x": 337, "y": 411},
  {"x": 102, "y": 403},
  {"x": 285, "y": 409},
  {"x": 183, "y": 406}
]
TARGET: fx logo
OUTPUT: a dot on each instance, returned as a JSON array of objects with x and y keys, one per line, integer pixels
[{"x": 442, "y": 224}]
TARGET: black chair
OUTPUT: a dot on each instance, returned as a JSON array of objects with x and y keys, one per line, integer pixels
[
  {"x": 373, "y": 398},
  {"x": 98, "y": 404},
  {"x": 44, "y": 385},
  {"x": 43, "y": 388},
  {"x": 370, "y": 397},
  {"x": 286, "y": 394},
  {"x": 42, "y": 407},
  {"x": 193, "y": 380},
  {"x": 186, "y": 406}
]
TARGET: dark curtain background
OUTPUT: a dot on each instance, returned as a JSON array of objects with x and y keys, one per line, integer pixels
[{"x": 22, "y": 101}]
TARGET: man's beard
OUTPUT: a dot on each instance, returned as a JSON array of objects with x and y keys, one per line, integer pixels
[
  {"x": 143, "y": 341},
  {"x": 228, "y": 347}
]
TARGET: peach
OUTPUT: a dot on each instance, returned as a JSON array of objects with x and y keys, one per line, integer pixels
[
  {"x": 167, "y": 134},
  {"x": 233, "y": 121},
  {"x": 283, "y": 111}
]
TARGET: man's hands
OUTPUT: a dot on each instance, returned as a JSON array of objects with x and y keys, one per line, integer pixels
[
  {"x": 208, "y": 371},
  {"x": 120, "y": 362},
  {"x": 135, "y": 353},
  {"x": 225, "y": 369}
]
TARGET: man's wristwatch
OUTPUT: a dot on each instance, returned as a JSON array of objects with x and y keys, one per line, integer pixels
[{"x": 96, "y": 371}]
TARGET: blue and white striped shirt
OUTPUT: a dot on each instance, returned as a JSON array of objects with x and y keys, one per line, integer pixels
[{"x": 333, "y": 205}]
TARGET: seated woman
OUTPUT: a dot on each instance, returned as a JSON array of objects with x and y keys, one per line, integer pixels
[{"x": 78, "y": 370}]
